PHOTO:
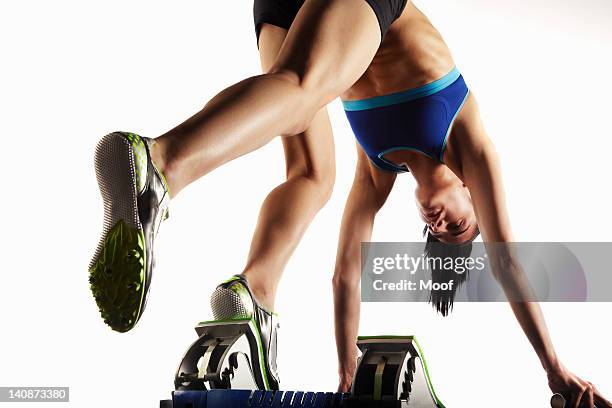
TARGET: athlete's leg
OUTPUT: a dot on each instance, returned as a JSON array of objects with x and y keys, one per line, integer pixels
[
  {"x": 290, "y": 207},
  {"x": 329, "y": 46},
  {"x": 370, "y": 190}
]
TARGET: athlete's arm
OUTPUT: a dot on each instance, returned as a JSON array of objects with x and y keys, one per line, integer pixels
[
  {"x": 370, "y": 189},
  {"x": 473, "y": 157}
]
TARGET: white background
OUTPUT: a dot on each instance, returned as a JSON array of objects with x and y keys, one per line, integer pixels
[{"x": 73, "y": 71}]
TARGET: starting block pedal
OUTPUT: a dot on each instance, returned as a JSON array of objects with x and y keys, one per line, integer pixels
[
  {"x": 392, "y": 372},
  {"x": 226, "y": 355}
]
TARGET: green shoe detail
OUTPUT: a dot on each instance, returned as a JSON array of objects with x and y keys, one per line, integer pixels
[
  {"x": 163, "y": 179},
  {"x": 140, "y": 155},
  {"x": 117, "y": 278},
  {"x": 140, "y": 159},
  {"x": 233, "y": 278}
]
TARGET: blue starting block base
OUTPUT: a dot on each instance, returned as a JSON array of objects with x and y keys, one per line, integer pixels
[
  {"x": 256, "y": 399},
  {"x": 271, "y": 399}
]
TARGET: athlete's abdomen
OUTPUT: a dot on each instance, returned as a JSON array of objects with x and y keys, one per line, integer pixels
[{"x": 412, "y": 54}]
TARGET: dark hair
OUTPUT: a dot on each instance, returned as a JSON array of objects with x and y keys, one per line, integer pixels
[{"x": 443, "y": 300}]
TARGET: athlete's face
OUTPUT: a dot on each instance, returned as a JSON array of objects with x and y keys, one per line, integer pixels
[{"x": 449, "y": 214}]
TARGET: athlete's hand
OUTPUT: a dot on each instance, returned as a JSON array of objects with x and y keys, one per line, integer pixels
[
  {"x": 578, "y": 392},
  {"x": 345, "y": 385},
  {"x": 347, "y": 370},
  {"x": 346, "y": 374}
]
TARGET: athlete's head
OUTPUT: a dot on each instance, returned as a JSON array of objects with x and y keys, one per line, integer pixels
[
  {"x": 446, "y": 207},
  {"x": 448, "y": 265}
]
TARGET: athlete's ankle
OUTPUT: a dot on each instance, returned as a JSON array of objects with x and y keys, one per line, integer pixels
[{"x": 261, "y": 291}]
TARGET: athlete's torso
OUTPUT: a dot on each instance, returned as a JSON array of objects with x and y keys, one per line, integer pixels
[{"x": 412, "y": 54}]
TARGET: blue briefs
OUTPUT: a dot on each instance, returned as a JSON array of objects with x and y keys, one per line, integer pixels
[{"x": 418, "y": 119}]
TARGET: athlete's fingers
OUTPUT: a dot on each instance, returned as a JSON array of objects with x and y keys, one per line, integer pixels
[
  {"x": 588, "y": 399},
  {"x": 577, "y": 397}
]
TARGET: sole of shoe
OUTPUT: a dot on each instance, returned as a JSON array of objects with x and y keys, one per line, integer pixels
[{"x": 117, "y": 274}]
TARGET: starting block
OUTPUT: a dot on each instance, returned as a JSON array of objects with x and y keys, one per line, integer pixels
[{"x": 224, "y": 367}]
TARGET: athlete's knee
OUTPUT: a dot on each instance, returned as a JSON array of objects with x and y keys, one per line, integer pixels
[
  {"x": 315, "y": 86},
  {"x": 320, "y": 175},
  {"x": 324, "y": 185},
  {"x": 296, "y": 73}
]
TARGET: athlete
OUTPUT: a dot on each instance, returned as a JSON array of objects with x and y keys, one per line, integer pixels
[{"x": 327, "y": 46}]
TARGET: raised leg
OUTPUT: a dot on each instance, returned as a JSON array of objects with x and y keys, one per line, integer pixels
[{"x": 329, "y": 46}]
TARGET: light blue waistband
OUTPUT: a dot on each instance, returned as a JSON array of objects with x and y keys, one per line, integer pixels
[{"x": 404, "y": 96}]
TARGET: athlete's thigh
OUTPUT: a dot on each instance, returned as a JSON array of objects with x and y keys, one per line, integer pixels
[
  {"x": 314, "y": 148},
  {"x": 271, "y": 40},
  {"x": 330, "y": 45}
]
